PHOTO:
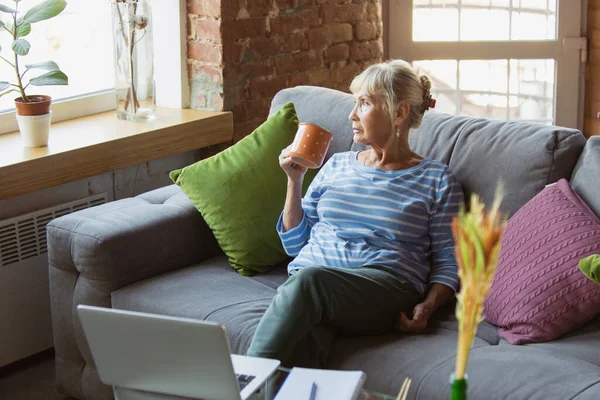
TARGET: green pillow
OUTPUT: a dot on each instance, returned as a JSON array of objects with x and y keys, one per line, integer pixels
[{"x": 240, "y": 192}]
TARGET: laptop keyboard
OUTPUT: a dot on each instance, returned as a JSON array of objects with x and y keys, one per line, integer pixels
[{"x": 244, "y": 380}]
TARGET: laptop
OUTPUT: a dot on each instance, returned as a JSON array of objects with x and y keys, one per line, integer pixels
[{"x": 170, "y": 355}]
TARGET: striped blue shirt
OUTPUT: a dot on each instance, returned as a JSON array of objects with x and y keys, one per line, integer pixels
[{"x": 399, "y": 220}]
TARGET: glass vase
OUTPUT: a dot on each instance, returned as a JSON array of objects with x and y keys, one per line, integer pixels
[
  {"x": 134, "y": 59},
  {"x": 458, "y": 388}
]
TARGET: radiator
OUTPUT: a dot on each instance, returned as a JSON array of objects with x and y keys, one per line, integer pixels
[{"x": 25, "y": 321}]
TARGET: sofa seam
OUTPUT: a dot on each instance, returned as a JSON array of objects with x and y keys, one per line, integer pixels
[
  {"x": 585, "y": 389},
  {"x": 73, "y": 231},
  {"x": 234, "y": 304}
]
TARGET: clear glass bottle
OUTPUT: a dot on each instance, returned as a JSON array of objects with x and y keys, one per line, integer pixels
[{"x": 134, "y": 59}]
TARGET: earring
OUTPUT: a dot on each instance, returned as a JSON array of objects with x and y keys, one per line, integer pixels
[{"x": 398, "y": 132}]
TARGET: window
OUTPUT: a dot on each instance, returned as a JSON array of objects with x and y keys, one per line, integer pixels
[
  {"x": 80, "y": 41},
  {"x": 499, "y": 59}
]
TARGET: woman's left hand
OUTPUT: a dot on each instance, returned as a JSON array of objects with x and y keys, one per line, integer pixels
[{"x": 421, "y": 314}]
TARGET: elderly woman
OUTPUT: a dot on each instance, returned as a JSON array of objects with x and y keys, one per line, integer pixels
[{"x": 372, "y": 237}]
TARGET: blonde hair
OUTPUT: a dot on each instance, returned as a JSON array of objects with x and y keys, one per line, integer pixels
[{"x": 393, "y": 82}]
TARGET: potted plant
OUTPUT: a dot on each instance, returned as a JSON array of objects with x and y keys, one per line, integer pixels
[{"x": 33, "y": 111}]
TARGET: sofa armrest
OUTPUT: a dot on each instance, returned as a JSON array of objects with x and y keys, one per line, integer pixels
[
  {"x": 129, "y": 240},
  {"x": 96, "y": 251}
]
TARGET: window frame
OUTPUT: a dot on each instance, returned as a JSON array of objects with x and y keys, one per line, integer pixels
[
  {"x": 171, "y": 82},
  {"x": 568, "y": 108}
]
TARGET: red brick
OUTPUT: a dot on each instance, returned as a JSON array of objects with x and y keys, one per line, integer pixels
[
  {"x": 591, "y": 127},
  {"x": 321, "y": 76},
  {"x": 207, "y": 52},
  {"x": 300, "y": 78},
  {"x": 244, "y": 28},
  {"x": 206, "y": 73},
  {"x": 344, "y": 75},
  {"x": 264, "y": 47},
  {"x": 259, "y": 8},
  {"x": 242, "y": 130},
  {"x": 365, "y": 51},
  {"x": 294, "y": 42},
  {"x": 267, "y": 88},
  {"x": 255, "y": 69},
  {"x": 208, "y": 30},
  {"x": 374, "y": 12},
  {"x": 207, "y": 8},
  {"x": 215, "y": 102},
  {"x": 319, "y": 38},
  {"x": 340, "y": 32},
  {"x": 250, "y": 109},
  {"x": 233, "y": 51},
  {"x": 337, "y": 53},
  {"x": 301, "y": 61},
  {"x": 234, "y": 94},
  {"x": 592, "y": 106},
  {"x": 594, "y": 38},
  {"x": 199, "y": 102},
  {"x": 365, "y": 30},
  {"x": 343, "y": 13},
  {"x": 593, "y": 4},
  {"x": 594, "y": 56},
  {"x": 286, "y": 24},
  {"x": 286, "y": 4},
  {"x": 593, "y": 17},
  {"x": 231, "y": 8}
]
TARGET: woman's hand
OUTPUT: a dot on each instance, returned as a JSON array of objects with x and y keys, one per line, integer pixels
[
  {"x": 294, "y": 171},
  {"x": 418, "y": 323}
]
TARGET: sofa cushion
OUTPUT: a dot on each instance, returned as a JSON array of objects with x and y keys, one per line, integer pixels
[
  {"x": 388, "y": 359},
  {"x": 513, "y": 372},
  {"x": 241, "y": 191},
  {"x": 208, "y": 291},
  {"x": 582, "y": 344},
  {"x": 586, "y": 176},
  {"x": 524, "y": 156},
  {"x": 538, "y": 293}
]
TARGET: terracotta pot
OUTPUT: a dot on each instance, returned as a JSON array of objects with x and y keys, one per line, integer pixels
[{"x": 37, "y": 105}]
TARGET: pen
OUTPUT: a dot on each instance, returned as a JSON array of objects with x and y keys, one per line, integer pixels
[{"x": 313, "y": 391}]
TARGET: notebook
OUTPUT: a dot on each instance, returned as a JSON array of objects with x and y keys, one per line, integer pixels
[{"x": 330, "y": 384}]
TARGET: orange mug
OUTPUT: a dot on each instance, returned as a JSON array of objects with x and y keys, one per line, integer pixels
[{"x": 310, "y": 145}]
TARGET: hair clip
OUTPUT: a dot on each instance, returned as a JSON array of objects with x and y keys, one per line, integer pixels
[{"x": 427, "y": 104}]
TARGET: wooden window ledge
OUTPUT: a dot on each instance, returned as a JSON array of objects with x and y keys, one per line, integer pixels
[{"x": 99, "y": 143}]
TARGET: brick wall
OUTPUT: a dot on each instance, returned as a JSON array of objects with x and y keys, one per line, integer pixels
[
  {"x": 592, "y": 75},
  {"x": 241, "y": 52}
]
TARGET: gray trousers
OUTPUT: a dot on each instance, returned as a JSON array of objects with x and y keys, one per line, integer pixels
[{"x": 316, "y": 303}]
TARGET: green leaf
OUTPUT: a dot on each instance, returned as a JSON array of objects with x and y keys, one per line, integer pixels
[
  {"x": 21, "y": 47},
  {"x": 23, "y": 29},
  {"x": 55, "y": 77},
  {"x": 1, "y": 24},
  {"x": 10, "y": 27},
  {"x": 7, "y": 9},
  {"x": 47, "y": 65},
  {"x": 45, "y": 10},
  {"x": 4, "y": 86}
]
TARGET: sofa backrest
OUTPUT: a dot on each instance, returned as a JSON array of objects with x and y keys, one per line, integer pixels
[
  {"x": 480, "y": 152},
  {"x": 586, "y": 177},
  {"x": 524, "y": 156}
]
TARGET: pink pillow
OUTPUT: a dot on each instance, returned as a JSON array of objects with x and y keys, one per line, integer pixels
[{"x": 539, "y": 293}]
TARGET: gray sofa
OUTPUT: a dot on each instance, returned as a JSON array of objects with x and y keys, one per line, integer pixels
[{"x": 154, "y": 253}]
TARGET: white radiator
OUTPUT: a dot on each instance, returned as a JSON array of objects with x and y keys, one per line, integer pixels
[{"x": 25, "y": 322}]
